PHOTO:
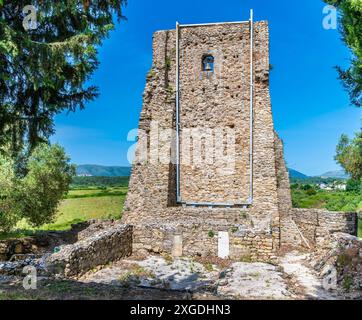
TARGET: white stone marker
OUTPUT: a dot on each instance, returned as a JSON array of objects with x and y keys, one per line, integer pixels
[
  {"x": 223, "y": 245},
  {"x": 177, "y": 246}
]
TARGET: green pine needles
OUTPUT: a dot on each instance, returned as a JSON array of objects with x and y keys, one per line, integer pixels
[{"x": 43, "y": 71}]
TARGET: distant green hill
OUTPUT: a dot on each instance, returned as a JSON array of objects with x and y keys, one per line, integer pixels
[
  {"x": 85, "y": 182},
  {"x": 329, "y": 177},
  {"x": 119, "y": 171},
  {"x": 103, "y": 171},
  {"x": 296, "y": 174}
]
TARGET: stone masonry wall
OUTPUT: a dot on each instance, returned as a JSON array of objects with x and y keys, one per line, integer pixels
[
  {"x": 98, "y": 249},
  {"x": 216, "y": 100},
  {"x": 283, "y": 183},
  {"x": 11, "y": 247},
  {"x": 343, "y": 259},
  {"x": 201, "y": 239},
  {"x": 313, "y": 228}
]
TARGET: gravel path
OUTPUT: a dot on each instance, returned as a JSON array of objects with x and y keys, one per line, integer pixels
[
  {"x": 253, "y": 281},
  {"x": 295, "y": 265},
  {"x": 239, "y": 281}
]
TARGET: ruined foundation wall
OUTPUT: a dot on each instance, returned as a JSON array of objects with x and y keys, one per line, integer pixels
[
  {"x": 313, "y": 228},
  {"x": 98, "y": 249},
  {"x": 201, "y": 239},
  {"x": 343, "y": 258},
  {"x": 306, "y": 228}
]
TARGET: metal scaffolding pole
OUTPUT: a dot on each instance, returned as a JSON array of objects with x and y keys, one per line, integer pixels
[
  {"x": 250, "y": 200},
  {"x": 178, "y": 195}
]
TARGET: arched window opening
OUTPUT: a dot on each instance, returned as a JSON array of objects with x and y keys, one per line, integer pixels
[{"x": 208, "y": 63}]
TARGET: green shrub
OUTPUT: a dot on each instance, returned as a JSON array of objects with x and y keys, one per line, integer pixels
[
  {"x": 209, "y": 267},
  {"x": 10, "y": 210},
  {"x": 151, "y": 73},
  {"x": 354, "y": 185},
  {"x": 47, "y": 181},
  {"x": 36, "y": 196},
  {"x": 211, "y": 233},
  {"x": 330, "y": 200},
  {"x": 168, "y": 63},
  {"x": 234, "y": 229},
  {"x": 246, "y": 258},
  {"x": 347, "y": 283},
  {"x": 310, "y": 192}
]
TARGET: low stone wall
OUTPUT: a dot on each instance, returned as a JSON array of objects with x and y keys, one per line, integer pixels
[
  {"x": 252, "y": 246},
  {"x": 198, "y": 238},
  {"x": 105, "y": 246},
  {"x": 313, "y": 228},
  {"x": 45, "y": 241}
]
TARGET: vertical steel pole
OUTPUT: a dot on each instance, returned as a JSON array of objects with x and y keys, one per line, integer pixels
[
  {"x": 251, "y": 102},
  {"x": 178, "y": 195}
]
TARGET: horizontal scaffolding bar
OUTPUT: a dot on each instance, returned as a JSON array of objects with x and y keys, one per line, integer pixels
[
  {"x": 211, "y": 24},
  {"x": 215, "y": 204}
]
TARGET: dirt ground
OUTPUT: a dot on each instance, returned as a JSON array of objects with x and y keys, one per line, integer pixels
[{"x": 164, "y": 278}]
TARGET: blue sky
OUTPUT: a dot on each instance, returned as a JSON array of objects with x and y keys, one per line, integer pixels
[{"x": 310, "y": 108}]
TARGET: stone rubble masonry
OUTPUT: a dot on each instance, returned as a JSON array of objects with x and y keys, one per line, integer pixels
[
  {"x": 30, "y": 245},
  {"x": 343, "y": 254},
  {"x": 213, "y": 100},
  {"x": 101, "y": 248},
  {"x": 317, "y": 227}
]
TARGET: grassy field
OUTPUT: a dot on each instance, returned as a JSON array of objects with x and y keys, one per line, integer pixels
[
  {"x": 91, "y": 203},
  {"x": 96, "y": 192},
  {"x": 80, "y": 205},
  {"x": 330, "y": 200},
  {"x": 82, "y": 209}
]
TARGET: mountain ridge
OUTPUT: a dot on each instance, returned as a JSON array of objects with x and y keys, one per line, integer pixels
[
  {"x": 103, "y": 171},
  {"x": 296, "y": 174},
  {"x": 340, "y": 174},
  {"x": 124, "y": 171}
]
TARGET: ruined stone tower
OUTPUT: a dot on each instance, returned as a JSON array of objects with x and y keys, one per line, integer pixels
[{"x": 209, "y": 176}]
